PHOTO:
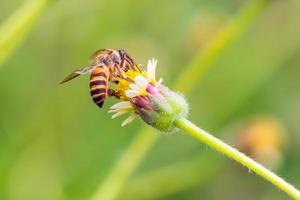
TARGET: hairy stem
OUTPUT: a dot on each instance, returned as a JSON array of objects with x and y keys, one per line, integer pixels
[{"x": 217, "y": 144}]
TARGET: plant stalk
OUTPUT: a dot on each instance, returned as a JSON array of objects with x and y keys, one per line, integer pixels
[{"x": 217, "y": 144}]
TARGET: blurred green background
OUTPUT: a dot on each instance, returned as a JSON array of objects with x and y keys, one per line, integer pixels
[{"x": 56, "y": 144}]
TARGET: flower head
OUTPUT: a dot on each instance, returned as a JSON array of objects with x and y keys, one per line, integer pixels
[{"x": 143, "y": 96}]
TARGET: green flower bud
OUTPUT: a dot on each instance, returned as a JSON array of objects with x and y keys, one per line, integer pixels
[{"x": 161, "y": 107}]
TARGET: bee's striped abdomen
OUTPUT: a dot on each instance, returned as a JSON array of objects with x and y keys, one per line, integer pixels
[{"x": 98, "y": 84}]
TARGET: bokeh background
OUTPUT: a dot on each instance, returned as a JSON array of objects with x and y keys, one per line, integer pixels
[{"x": 56, "y": 144}]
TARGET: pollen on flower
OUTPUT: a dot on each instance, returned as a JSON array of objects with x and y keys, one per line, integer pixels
[
  {"x": 138, "y": 88},
  {"x": 126, "y": 84}
]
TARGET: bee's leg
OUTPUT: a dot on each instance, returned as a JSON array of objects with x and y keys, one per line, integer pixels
[
  {"x": 113, "y": 93},
  {"x": 123, "y": 75},
  {"x": 110, "y": 92},
  {"x": 132, "y": 65},
  {"x": 121, "y": 72},
  {"x": 129, "y": 62},
  {"x": 137, "y": 67},
  {"x": 129, "y": 80},
  {"x": 114, "y": 80}
]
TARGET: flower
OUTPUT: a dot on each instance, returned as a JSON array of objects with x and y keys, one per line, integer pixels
[
  {"x": 143, "y": 96},
  {"x": 138, "y": 88},
  {"x": 122, "y": 108}
]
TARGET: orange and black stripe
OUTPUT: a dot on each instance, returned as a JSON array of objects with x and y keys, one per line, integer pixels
[{"x": 98, "y": 84}]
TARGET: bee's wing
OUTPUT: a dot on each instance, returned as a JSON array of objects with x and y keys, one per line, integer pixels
[
  {"x": 98, "y": 55},
  {"x": 71, "y": 76},
  {"x": 78, "y": 72},
  {"x": 95, "y": 54}
]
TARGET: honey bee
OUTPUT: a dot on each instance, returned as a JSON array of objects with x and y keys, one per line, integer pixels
[{"x": 106, "y": 65}]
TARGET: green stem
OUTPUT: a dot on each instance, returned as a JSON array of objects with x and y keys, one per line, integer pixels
[{"x": 217, "y": 144}]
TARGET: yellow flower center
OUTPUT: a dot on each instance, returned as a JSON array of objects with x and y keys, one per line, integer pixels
[{"x": 123, "y": 84}]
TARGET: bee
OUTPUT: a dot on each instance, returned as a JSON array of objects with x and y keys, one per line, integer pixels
[{"x": 105, "y": 66}]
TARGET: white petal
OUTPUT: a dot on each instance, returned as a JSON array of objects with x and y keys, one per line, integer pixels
[
  {"x": 128, "y": 120},
  {"x": 132, "y": 93},
  {"x": 119, "y": 113},
  {"x": 121, "y": 105},
  {"x": 154, "y": 62},
  {"x": 151, "y": 68},
  {"x": 135, "y": 88},
  {"x": 141, "y": 82}
]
